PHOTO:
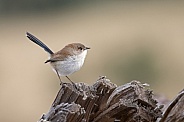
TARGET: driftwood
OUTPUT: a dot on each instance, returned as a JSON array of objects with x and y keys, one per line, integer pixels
[{"x": 105, "y": 102}]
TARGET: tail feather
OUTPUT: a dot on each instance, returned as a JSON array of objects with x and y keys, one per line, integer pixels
[{"x": 38, "y": 42}]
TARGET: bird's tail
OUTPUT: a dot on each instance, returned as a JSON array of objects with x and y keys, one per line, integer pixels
[{"x": 38, "y": 42}]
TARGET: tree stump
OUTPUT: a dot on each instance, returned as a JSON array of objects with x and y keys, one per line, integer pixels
[{"x": 105, "y": 102}]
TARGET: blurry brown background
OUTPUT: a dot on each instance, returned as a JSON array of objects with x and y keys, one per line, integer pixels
[{"x": 129, "y": 40}]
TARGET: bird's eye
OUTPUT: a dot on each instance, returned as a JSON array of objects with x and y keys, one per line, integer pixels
[{"x": 80, "y": 48}]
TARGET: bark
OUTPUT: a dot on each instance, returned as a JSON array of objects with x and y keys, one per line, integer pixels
[{"x": 104, "y": 101}]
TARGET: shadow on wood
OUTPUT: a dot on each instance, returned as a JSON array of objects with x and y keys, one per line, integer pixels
[{"x": 105, "y": 102}]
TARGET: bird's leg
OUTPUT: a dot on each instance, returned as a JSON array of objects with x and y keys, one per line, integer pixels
[
  {"x": 72, "y": 82},
  {"x": 61, "y": 83}
]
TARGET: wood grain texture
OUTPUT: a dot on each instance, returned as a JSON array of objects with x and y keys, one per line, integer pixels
[{"x": 105, "y": 102}]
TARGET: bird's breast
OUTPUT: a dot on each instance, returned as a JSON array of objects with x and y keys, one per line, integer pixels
[{"x": 70, "y": 65}]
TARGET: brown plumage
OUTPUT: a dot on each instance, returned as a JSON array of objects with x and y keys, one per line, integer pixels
[{"x": 66, "y": 61}]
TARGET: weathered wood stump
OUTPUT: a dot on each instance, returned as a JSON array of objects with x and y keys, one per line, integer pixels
[{"x": 105, "y": 102}]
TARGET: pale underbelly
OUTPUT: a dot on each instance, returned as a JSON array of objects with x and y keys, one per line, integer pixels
[{"x": 65, "y": 68}]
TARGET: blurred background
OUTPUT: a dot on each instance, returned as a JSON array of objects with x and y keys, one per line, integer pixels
[{"x": 129, "y": 40}]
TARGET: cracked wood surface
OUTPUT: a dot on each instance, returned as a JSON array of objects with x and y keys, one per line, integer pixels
[{"x": 106, "y": 102}]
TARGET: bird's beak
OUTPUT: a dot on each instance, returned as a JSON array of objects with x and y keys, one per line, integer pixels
[{"x": 87, "y": 48}]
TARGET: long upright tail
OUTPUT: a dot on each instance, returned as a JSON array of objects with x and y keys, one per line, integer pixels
[{"x": 38, "y": 42}]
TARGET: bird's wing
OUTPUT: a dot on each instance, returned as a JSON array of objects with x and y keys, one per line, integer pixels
[{"x": 59, "y": 56}]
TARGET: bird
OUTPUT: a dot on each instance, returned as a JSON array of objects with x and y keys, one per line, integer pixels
[{"x": 67, "y": 60}]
